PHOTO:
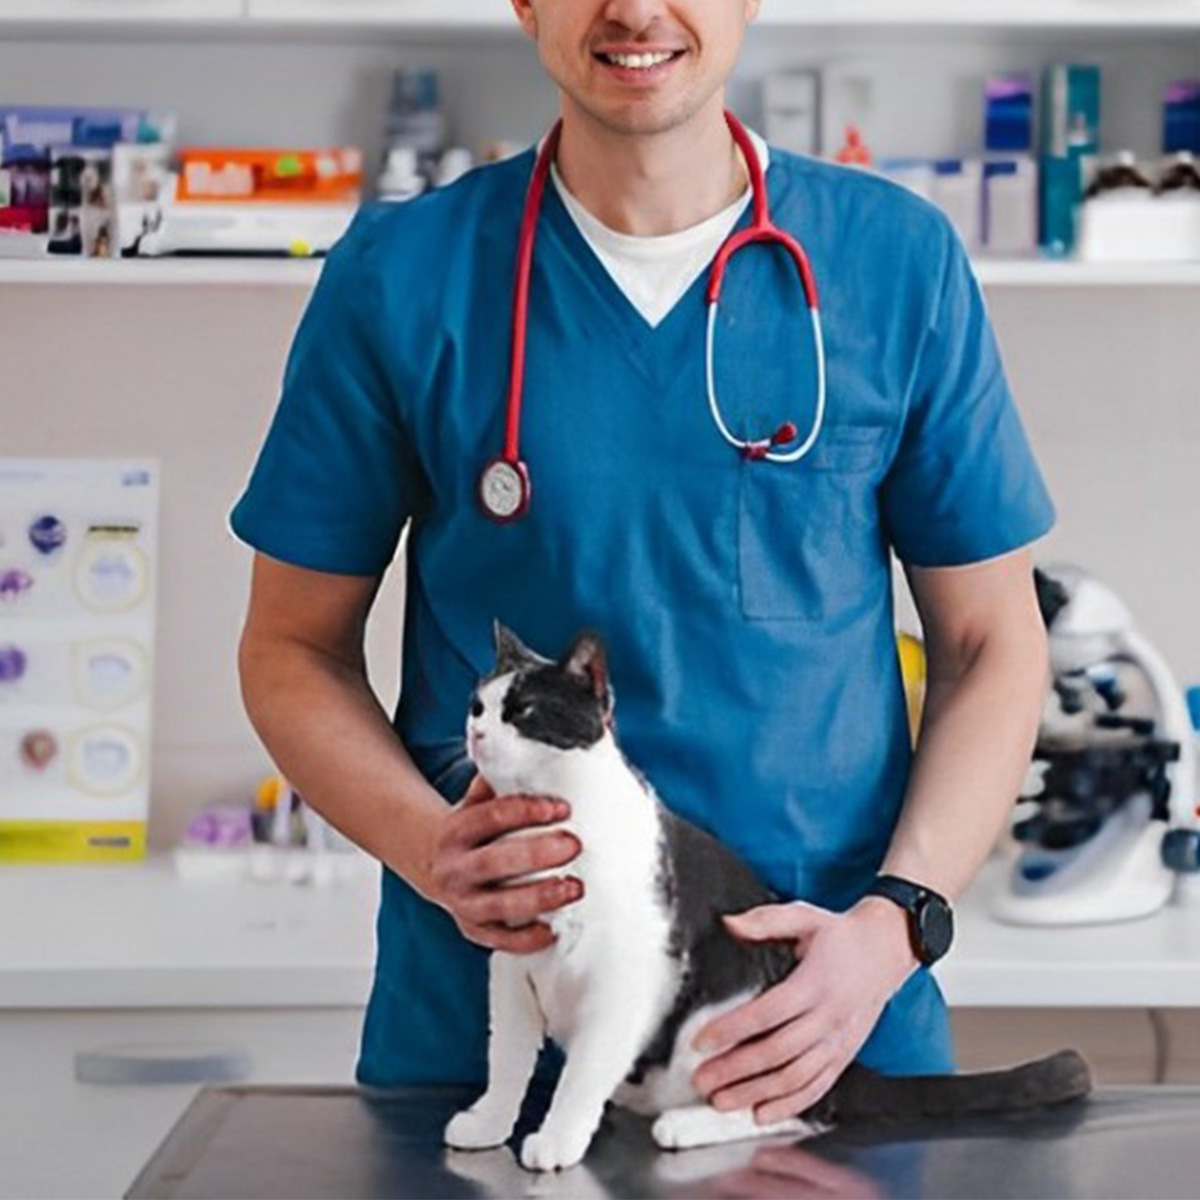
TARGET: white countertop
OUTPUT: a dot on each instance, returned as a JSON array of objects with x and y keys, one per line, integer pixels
[{"x": 140, "y": 937}]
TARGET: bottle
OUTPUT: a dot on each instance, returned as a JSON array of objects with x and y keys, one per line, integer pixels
[
  {"x": 401, "y": 178},
  {"x": 454, "y": 164},
  {"x": 1180, "y": 175},
  {"x": 854, "y": 151},
  {"x": 415, "y": 121},
  {"x": 1121, "y": 174}
]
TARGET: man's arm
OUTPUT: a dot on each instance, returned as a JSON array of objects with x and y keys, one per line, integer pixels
[
  {"x": 987, "y": 663},
  {"x": 985, "y": 648},
  {"x": 305, "y": 688}
]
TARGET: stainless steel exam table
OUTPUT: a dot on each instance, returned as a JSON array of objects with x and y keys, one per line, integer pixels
[{"x": 299, "y": 1143}]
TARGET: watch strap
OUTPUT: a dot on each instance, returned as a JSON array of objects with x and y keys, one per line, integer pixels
[
  {"x": 901, "y": 891},
  {"x": 915, "y": 899}
]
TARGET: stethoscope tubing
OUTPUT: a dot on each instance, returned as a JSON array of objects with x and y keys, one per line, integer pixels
[
  {"x": 761, "y": 450},
  {"x": 509, "y": 469}
]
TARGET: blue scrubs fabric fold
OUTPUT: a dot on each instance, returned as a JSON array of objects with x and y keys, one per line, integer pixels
[{"x": 746, "y": 606}]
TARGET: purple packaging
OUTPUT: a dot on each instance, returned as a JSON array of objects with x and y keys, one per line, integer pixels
[{"x": 1008, "y": 114}]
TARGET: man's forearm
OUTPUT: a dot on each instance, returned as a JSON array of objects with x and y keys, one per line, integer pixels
[
  {"x": 327, "y": 733},
  {"x": 977, "y": 735}
]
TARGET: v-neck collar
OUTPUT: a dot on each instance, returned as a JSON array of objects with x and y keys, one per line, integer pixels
[{"x": 628, "y": 320}]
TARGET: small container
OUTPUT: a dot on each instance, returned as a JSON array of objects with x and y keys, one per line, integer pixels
[
  {"x": 1181, "y": 117},
  {"x": 1010, "y": 207},
  {"x": 1008, "y": 114},
  {"x": 1061, "y": 194},
  {"x": 1180, "y": 176},
  {"x": 401, "y": 178},
  {"x": 958, "y": 191},
  {"x": 1120, "y": 175}
]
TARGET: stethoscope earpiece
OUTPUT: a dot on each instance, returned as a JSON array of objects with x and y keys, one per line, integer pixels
[{"x": 504, "y": 485}]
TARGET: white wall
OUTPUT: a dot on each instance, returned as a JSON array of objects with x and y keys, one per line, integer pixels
[{"x": 1106, "y": 378}]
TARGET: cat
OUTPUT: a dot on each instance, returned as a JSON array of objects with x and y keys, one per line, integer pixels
[{"x": 643, "y": 960}]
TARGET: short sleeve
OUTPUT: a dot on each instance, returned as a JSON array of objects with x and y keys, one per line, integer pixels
[
  {"x": 336, "y": 479},
  {"x": 964, "y": 485}
]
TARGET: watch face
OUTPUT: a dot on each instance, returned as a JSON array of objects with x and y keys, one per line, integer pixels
[{"x": 936, "y": 924}]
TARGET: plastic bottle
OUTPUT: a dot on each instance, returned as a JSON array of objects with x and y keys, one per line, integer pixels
[
  {"x": 854, "y": 151},
  {"x": 401, "y": 178},
  {"x": 1121, "y": 174},
  {"x": 1180, "y": 175}
]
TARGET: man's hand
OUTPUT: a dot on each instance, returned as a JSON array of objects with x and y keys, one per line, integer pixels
[
  {"x": 782, "y": 1051},
  {"x": 474, "y": 861}
]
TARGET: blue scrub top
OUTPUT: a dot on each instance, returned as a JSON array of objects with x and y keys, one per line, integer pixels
[{"x": 747, "y": 605}]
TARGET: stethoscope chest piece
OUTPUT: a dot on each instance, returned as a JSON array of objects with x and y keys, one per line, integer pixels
[
  {"x": 504, "y": 490},
  {"x": 504, "y": 487}
]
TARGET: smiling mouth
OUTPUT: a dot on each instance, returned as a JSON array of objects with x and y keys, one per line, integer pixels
[{"x": 649, "y": 61}]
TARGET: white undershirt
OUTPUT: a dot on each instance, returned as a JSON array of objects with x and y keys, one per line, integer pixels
[{"x": 656, "y": 272}]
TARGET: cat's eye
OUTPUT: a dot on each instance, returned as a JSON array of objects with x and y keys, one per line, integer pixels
[{"x": 477, "y": 708}]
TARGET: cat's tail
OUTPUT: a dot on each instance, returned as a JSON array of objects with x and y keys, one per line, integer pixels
[{"x": 863, "y": 1095}]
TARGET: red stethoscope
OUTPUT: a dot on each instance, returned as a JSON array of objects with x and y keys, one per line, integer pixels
[{"x": 505, "y": 489}]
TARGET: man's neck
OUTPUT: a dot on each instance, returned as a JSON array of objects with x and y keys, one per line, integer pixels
[{"x": 650, "y": 185}]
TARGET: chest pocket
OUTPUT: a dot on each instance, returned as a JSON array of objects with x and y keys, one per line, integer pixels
[{"x": 809, "y": 539}]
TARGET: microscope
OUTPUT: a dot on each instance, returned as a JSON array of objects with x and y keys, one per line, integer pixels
[{"x": 1107, "y": 822}]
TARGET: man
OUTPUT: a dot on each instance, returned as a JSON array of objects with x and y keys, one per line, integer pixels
[{"x": 747, "y": 604}]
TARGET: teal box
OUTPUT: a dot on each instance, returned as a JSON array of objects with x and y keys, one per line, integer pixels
[
  {"x": 1070, "y": 110},
  {"x": 1060, "y": 198}
]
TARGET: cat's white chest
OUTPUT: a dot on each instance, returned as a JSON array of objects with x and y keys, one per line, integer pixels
[{"x": 616, "y": 935}]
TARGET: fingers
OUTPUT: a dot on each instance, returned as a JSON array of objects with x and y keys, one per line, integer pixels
[
  {"x": 781, "y": 1003},
  {"x": 789, "y": 1077},
  {"x": 778, "y": 922},
  {"x": 719, "y": 1077},
  {"x": 518, "y": 906},
  {"x": 475, "y": 824},
  {"x": 527, "y": 940},
  {"x": 505, "y": 860},
  {"x": 797, "y": 1102}
]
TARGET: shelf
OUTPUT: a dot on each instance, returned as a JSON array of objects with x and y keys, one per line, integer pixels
[
  {"x": 1051, "y": 14},
  {"x": 1001, "y": 273},
  {"x": 282, "y": 272},
  {"x": 131, "y": 12},
  {"x": 158, "y": 272},
  {"x": 465, "y": 16}
]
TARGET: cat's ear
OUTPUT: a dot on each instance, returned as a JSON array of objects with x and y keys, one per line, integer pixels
[
  {"x": 511, "y": 653},
  {"x": 586, "y": 661}
]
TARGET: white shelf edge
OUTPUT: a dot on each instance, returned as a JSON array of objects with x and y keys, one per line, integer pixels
[
  {"x": 174, "y": 272},
  {"x": 1041, "y": 273},
  {"x": 242, "y": 272},
  {"x": 490, "y": 16},
  {"x": 1023, "y": 14}
]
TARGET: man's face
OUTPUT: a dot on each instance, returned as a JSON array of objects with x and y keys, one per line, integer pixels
[{"x": 638, "y": 66}]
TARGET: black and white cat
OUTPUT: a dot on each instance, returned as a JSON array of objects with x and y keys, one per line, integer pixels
[{"x": 643, "y": 960}]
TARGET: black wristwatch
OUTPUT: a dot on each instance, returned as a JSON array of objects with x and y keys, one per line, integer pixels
[{"x": 930, "y": 917}]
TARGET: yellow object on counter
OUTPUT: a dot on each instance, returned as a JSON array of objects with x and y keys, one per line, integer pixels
[
  {"x": 266, "y": 799},
  {"x": 913, "y": 672}
]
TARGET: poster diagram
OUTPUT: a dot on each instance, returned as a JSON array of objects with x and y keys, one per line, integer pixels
[{"x": 78, "y": 540}]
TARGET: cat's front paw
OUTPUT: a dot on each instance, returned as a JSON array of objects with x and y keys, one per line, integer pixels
[
  {"x": 476, "y": 1130},
  {"x": 553, "y": 1150},
  {"x": 682, "y": 1128}
]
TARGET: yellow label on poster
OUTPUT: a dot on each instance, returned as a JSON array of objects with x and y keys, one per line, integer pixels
[{"x": 72, "y": 841}]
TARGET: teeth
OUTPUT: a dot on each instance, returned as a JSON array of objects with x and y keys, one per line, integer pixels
[{"x": 639, "y": 62}]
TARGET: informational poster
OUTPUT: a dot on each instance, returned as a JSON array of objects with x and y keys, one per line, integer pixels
[{"x": 78, "y": 542}]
